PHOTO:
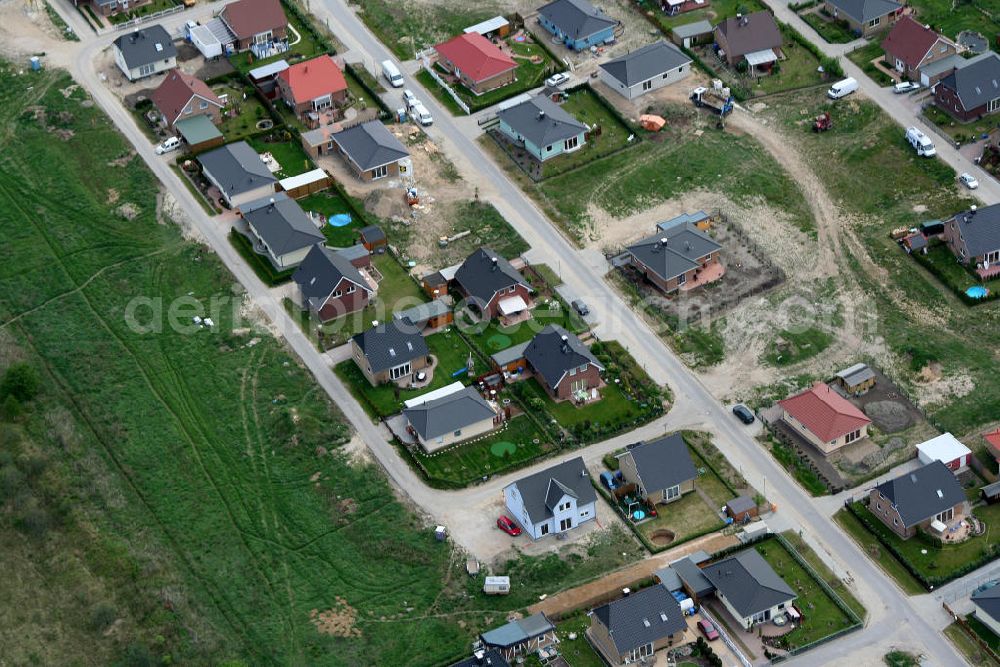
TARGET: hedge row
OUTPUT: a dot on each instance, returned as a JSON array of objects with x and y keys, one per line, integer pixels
[
  {"x": 957, "y": 291},
  {"x": 830, "y": 65}
]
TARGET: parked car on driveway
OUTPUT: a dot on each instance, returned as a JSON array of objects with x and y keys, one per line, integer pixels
[
  {"x": 708, "y": 629},
  {"x": 409, "y": 99},
  {"x": 507, "y": 525},
  {"x": 580, "y": 307},
  {"x": 968, "y": 180},
  {"x": 743, "y": 413},
  {"x": 168, "y": 145},
  {"x": 557, "y": 80},
  {"x": 905, "y": 87}
]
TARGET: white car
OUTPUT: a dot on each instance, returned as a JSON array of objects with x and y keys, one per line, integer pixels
[
  {"x": 170, "y": 144},
  {"x": 409, "y": 99},
  {"x": 557, "y": 80},
  {"x": 905, "y": 87},
  {"x": 968, "y": 180}
]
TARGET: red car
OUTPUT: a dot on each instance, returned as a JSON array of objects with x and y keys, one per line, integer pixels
[
  {"x": 708, "y": 629},
  {"x": 508, "y": 526}
]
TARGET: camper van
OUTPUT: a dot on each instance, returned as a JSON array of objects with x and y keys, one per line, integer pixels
[
  {"x": 920, "y": 142},
  {"x": 496, "y": 585},
  {"x": 842, "y": 88},
  {"x": 391, "y": 74}
]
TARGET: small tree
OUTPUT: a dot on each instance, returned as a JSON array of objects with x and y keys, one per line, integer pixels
[{"x": 20, "y": 381}]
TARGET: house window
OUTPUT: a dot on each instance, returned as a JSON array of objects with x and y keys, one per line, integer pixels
[
  {"x": 571, "y": 143},
  {"x": 548, "y": 149},
  {"x": 572, "y": 371},
  {"x": 672, "y": 492},
  {"x": 457, "y": 433},
  {"x": 762, "y": 616},
  {"x": 351, "y": 289},
  {"x": 946, "y": 515},
  {"x": 337, "y": 294},
  {"x": 648, "y": 85},
  {"x": 146, "y": 70},
  {"x": 203, "y": 104},
  {"x": 851, "y": 437},
  {"x": 992, "y": 257},
  {"x": 878, "y": 506},
  {"x": 544, "y": 530},
  {"x": 565, "y": 524},
  {"x": 563, "y": 507},
  {"x": 681, "y": 279},
  {"x": 188, "y": 109},
  {"x": 584, "y": 513},
  {"x": 895, "y": 521},
  {"x": 380, "y": 172},
  {"x": 399, "y": 371},
  {"x": 874, "y": 22},
  {"x": 993, "y": 105}
]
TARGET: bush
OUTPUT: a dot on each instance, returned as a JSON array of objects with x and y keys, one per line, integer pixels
[
  {"x": 11, "y": 409},
  {"x": 102, "y": 616},
  {"x": 20, "y": 381}
]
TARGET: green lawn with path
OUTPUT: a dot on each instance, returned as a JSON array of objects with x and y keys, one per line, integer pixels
[
  {"x": 329, "y": 203},
  {"x": 878, "y": 553},
  {"x": 290, "y": 155}
]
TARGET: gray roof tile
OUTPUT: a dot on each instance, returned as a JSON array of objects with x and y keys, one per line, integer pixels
[
  {"x": 145, "y": 46},
  {"x": 449, "y": 413},
  {"x": 391, "y": 344},
  {"x": 541, "y": 121},
  {"x": 322, "y": 270},
  {"x": 692, "y": 576},
  {"x": 748, "y": 582},
  {"x": 281, "y": 223},
  {"x": 577, "y": 18},
  {"x": 237, "y": 168},
  {"x": 923, "y": 493},
  {"x": 864, "y": 11},
  {"x": 640, "y": 618},
  {"x": 662, "y": 463},
  {"x": 685, "y": 246},
  {"x": 988, "y": 601},
  {"x": 370, "y": 145},
  {"x": 645, "y": 63},
  {"x": 552, "y": 357},
  {"x": 977, "y": 82},
  {"x": 485, "y": 272},
  {"x": 534, "y": 489}
]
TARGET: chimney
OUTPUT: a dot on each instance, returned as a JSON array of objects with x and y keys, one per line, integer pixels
[
  {"x": 495, "y": 263},
  {"x": 565, "y": 343},
  {"x": 664, "y": 241},
  {"x": 541, "y": 114},
  {"x": 626, "y": 591},
  {"x": 270, "y": 206}
]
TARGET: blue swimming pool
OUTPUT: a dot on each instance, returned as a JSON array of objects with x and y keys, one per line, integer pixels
[
  {"x": 339, "y": 220},
  {"x": 977, "y": 292}
]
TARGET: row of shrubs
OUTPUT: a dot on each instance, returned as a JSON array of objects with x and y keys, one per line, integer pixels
[{"x": 957, "y": 290}]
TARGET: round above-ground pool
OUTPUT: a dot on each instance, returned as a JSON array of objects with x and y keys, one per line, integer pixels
[
  {"x": 977, "y": 292},
  {"x": 339, "y": 220}
]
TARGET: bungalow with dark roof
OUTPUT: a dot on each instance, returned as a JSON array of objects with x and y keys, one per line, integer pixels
[
  {"x": 370, "y": 150},
  {"x": 542, "y": 127},
  {"x": 439, "y": 420},
  {"x": 973, "y": 90},
  {"x": 330, "y": 284},
  {"x": 973, "y": 236},
  {"x": 483, "y": 658},
  {"x": 749, "y": 588},
  {"x": 253, "y": 22},
  {"x": 494, "y": 287},
  {"x": 677, "y": 257},
  {"x": 577, "y": 23},
  {"x": 477, "y": 63},
  {"x": 827, "y": 420},
  {"x": 631, "y": 629},
  {"x": 563, "y": 365},
  {"x": 282, "y": 228},
  {"x": 390, "y": 352},
  {"x": 662, "y": 470},
  {"x": 238, "y": 172},
  {"x": 144, "y": 52},
  {"x": 646, "y": 69},
  {"x": 987, "y": 607},
  {"x": 180, "y": 96},
  {"x": 312, "y": 85},
  {"x": 751, "y": 38},
  {"x": 554, "y": 500},
  {"x": 929, "y": 498},
  {"x": 911, "y": 46},
  {"x": 864, "y": 17}
]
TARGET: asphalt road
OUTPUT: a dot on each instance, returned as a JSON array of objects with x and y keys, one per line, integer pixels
[{"x": 909, "y": 622}]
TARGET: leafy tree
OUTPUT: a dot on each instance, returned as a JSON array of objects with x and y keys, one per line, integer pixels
[{"x": 20, "y": 381}]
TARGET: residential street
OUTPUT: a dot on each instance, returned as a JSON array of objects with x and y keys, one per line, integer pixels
[{"x": 914, "y": 623}]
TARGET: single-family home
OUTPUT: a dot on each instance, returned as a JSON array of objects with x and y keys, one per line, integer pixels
[
  {"x": 864, "y": 17},
  {"x": 972, "y": 91},
  {"x": 238, "y": 172},
  {"x": 692, "y": 34},
  {"x": 251, "y": 22},
  {"x": 929, "y": 498},
  {"x": 751, "y": 38},
  {"x": 910, "y": 46},
  {"x": 330, "y": 284},
  {"x": 282, "y": 228},
  {"x": 857, "y": 379},
  {"x": 662, "y": 469},
  {"x": 577, "y": 23},
  {"x": 824, "y": 418},
  {"x": 554, "y": 500},
  {"x": 677, "y": 257},
  {"x": 749, "y": 588},
  {"x": 439, "y": 421},
  {"x": 181, "y": 96},
  {"x": 947, "y": 449},
  {"x": 482, "y": 657},
  {"x": 632, "y": 628},
  {"x": 563, "y": 365},
  {"x": 520, "y": 637},
  {"x": 144, "y": 52},
  {"x": 542, "y": 127},
  {"x": 974, "y": 238},
  {"x": 992, "y": 439},
  {"x": 370, "y": 150},
  {"x": 312, "y": 85},
  {"x": 392, "y": 351},
  {"x": 646, "y": 69},
  {"x": 477, "y": 63},
  {"x": 108, "y": 7},
  {"x": 494, "y": 287},
  {"x": 987, "y": 607}
]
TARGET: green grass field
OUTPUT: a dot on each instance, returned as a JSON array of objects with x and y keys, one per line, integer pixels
[
  {"x": 250, "y": 111},
  {"x": 832, "y": 580},
  {"x": 584, "y": 105},
  {"x": 328, "y": 203},
  {"x": 685, "y": 517},
  {"x": 714, "y": 13},
  {"x": 878, "y": 553},
  {"x": 289, "y": 154},
  {"x": 405, "y": 27},
  {"x": 834, "y": 32},
  {"x": 949, "y": 19},
  {"x": 797, "y": 70},
  {"x": 793, "y": 347},
  {"x": 863, "y": 57}
]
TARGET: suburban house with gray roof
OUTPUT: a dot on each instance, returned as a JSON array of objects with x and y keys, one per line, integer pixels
[
  {"x": 554, "y": 500},
  {"x": 577, "y": 23},
  {"x": 662, "y": 469},
  {"x": 482, "y": 657},
  {"x": 987, "y": 607},
  {"x": 646, "y": 69},
  {"x": 693, "y": 580},
  {"x": 749, "y": 588},
  {"x": 972, "y": 91},
  {"x": 455, "y": 417},
  {"x": 370, "y": 149},
  {"x": 542, "y": 127},
  {"x": 492, "y": 285},
  {"x": 928, "y": 498},
  {"x": 864, "y": 17},
  {"x": 563, "y": 365},
  {"x": 634, "y": 627},
  {"x": 282, "y": 229},
  {"x": 330, "y": 284},
  {"x": 520, "y": 636},
  {"x": 677, "y": 257},
  {"x": 973, "y": 236},
  {"x": 391, "y": 351},
  {"x": 144, "y": 52},
  {"x": 238, "y": 172},
  {"x": 751, "y": 38}
]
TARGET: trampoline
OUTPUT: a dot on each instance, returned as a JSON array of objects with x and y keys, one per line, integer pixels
[{"x": 339, "y": 220}]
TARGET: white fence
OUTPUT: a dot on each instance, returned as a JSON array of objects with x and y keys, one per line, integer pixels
[
  {"x": 726, "y": 638},
  {"x": 149, "y": 17},
  {"x": 428, "y": 65}
]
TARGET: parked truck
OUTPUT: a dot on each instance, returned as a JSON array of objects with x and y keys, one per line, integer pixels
[{"x": 718, "y": 100}]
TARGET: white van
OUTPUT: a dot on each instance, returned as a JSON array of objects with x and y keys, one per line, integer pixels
[
  {"x": 842, "y": 88},
  {"x": 422, "y": 115},
  {"x": 496, "y": 585},
  {"x": 168, "y": 145},
  {"x": 920, "y": 142},
  {"x": 391, "y": 74}
]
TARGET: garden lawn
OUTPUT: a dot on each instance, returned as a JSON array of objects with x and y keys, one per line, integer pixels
[
  {"x": 714, "y": 13},
  {"x": 614, "y": 406},
  {"x": 578, "y": 652},
  {"x": 249, "y": 112},
  {"x": 878, "y": 553},
  {"x": 511, "y": 448},
  {"x": 446, "y": 100},
  {"x": 950, "y": 19},
  {"x": 984, "y": 632},
  {"x": 289, "y": 154},
  {"x": 142, "y": 10},
  {"x": 306, "y": 48},
  {"x": 686, "y": 517},
  {"x": 958, "y": 131},
  {"x": 329, "y": 203},
  {"x": 821, "y": 568},
  {"x": 969, "y": 649},
  {"x": 585, "y": 105},
  {"x": 834, "y": 32},
  {"x": 495, "y": 337},
  {"x": 797, "y": 70},
  {"x": 489, "y": 228},
  {"x": 821, "y": 615},
  {"x": 406, "y": 27},
  {"x": 954, "y": 276},
  {"x": 793, "y": 347},
  {"x": 863, "y": 57}
]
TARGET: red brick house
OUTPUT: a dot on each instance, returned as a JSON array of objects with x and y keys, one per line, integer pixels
[
  {"x": 973, "y": 90},
  {"x": 929, "y": 498},
  {"x": 492, "y": 285},
  {"x": 312, "y": 85},
  {"x": 973, "y": 236},
  {"x": 753, "y": 38},
  {"x": 331, "y": 284},
  {"x": 563, "y": 365},
  {"x": 182, "y": 96},
  {"x": 254, "y": 22},
  {"x": 824, "y": 418},
  {"x": 992, "y": 439},
  {"x": 910, "y": 46},
  {"x": 479, "y": 64},
  {"x": 678, "y": 257}
]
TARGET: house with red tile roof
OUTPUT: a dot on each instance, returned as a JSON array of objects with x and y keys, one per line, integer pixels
[
  {"x": 992, "y": 439},
  {"x": 312, "y": 85},
  {"x": 910, "y": 46},
  {"x": 479, "y": 64},
  {"x": 181, "y": 96},
  {"x": 824, "y": 418},
  {"x": 254, "y": 22}
]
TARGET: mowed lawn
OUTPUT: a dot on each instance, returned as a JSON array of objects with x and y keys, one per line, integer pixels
[{"x": 216, "y": 447}]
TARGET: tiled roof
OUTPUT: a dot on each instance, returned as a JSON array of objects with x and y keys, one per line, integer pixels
[
  {"x": 475, "y": 56},
  {"x": 827, "y": 414},
  {"x": 314, "y": 78},
  {"x": 176, "y": 90}
]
